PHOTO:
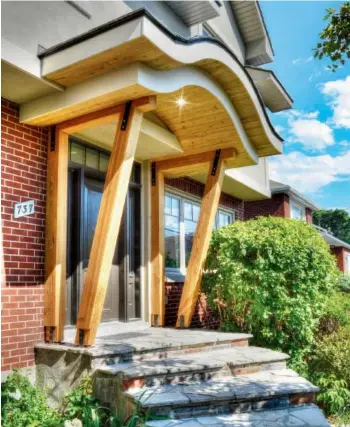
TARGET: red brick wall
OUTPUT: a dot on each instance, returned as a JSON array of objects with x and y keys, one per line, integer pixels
[
  {"x": 196, "y": 188},
  {"x": 23, "y": 178},
  {"x": 308, "y": 214},
  {"x": 278, "y": 205},
  {"x": 204, "y": 317},
  {"x": 339, "y": 253}
]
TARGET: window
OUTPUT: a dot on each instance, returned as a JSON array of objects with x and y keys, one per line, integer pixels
[
  {"x": 347, "y": 264},
  {"x": 297, "y": 211},
  {"x": 181, "y": 217}
]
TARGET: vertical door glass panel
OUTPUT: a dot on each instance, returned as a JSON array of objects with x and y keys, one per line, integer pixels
[
  {"x": 77, "y": 153},
  {"x": 172, "y": 232},
  {"x": 91, "y": 158},
  {"x": 104, "y": 159}
]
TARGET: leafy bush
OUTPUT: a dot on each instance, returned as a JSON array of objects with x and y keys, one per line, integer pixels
[
  {"x": 82, "y": 405},
  {"x": 271, "y": 276},
  {"x": 329, "y": 368},
  {"x": 336, "y": 314},
  {"x": 344, "y": 282},
  {"x": 24, "y": 405}
]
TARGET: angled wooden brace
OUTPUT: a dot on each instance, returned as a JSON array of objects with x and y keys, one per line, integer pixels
[
  {"x": 201, "y": 241},
  {"x": 109, "y": 219}
]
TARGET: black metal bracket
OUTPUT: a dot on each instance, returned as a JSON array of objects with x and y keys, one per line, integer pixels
[
  {"x": 81, "y": 337},
  {"x": 153, "y": 172},
  {"x": 51, "y": 332},
  {"x": 215, "y": 162},
  {"x": 155, "y": 320},
  {"x": 53, "y": 138},
  {"x": 126, "y": 115}
]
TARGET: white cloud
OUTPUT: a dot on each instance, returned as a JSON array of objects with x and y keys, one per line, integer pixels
[
  {"x": 296, "y": 61},
  {"x": 306, "y": 129},
  {"x": 309, "y": 174},
  {"x": 310, "y": 58},
  {"x": 314, "y": 75},
  {"x": 339, "y": 93},
  {"x": 311, "y": 133}
]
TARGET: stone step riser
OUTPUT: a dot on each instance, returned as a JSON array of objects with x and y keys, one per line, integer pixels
[
  {"x": 154, "y": 380},
  {"x": 100, "y": 362},
  {"x": 203, "y": 409}
]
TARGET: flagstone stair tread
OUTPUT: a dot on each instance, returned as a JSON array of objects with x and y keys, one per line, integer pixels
[
  {"x": 232, "y": 357},
  {"x": 259, "y": 385},
  {"x": 302, "y": 416}
]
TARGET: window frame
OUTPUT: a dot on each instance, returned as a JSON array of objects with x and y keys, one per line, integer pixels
[
  {"x": 185, "y": 197},
  {"x": 298, "y": 206},
  {"x": 347, "y": 263}
]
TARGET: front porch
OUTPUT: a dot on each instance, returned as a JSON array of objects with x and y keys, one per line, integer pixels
[{"x": 146, "y": 105}]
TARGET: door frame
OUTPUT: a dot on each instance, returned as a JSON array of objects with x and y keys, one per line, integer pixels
[{"x": 75, "y": 251}]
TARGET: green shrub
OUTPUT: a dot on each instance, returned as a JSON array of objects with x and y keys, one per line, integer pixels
[
  {"x": 329, "y": 368},
  {"x": 344, "y": 283},
  {"x": 336, "y": 313},
  {"x": 24, "y": 405},
  {"x": 271, "y": 277}
]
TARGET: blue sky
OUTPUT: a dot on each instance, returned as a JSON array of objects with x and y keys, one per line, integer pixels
[{"x": 316, "y": 158}]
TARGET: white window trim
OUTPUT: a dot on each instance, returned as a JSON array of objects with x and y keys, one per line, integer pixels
[
  {"x": 298, "y": 206},
  {"x": 347, "y": 263},
  {"x": 184, "y": 197}
]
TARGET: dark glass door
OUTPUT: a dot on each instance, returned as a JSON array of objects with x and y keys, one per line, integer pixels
[{"x": 123, "y": 298}]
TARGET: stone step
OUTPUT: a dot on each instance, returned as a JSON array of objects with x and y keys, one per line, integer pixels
[
  {"x": 243, "y": 393},
  {"x": 150, "y": 344},
  {"x": 300, "y": 416},
  {"x": 195, "y": 367}
]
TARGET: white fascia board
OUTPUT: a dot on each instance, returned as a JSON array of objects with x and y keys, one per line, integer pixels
[{"x": 100, "y": 43}]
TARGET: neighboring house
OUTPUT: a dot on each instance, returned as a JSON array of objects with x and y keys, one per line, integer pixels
[
  {"x": 286, "y": 202},
  {"x": 339, "y": 248},
  {"x": 197, "y": 130}
]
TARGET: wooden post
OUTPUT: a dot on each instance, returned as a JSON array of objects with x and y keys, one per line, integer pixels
[
  {"x": 109, "y": 219},
  {"x": 201, "y": 241},
  {"x": 157, "y": 247},
  {"x": 55, "y": 236}
]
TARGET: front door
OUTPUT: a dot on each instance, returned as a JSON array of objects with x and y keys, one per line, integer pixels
[{"x": 123, "y": 297}]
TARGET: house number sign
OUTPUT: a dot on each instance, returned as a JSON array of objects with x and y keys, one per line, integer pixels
[{"x": 23, "y": 209}]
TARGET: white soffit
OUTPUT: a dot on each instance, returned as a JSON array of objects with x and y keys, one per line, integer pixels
[
  {"x": 274, "y": 95},
  {"x": 238, "y": 187},
  {"x": 194, "y": 12},
  {"x": 154, "y": 141},
  {"x": 253, "y": 30}
]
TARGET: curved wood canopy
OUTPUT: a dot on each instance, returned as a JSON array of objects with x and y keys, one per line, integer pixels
[{"x": 206, "y": 122}]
